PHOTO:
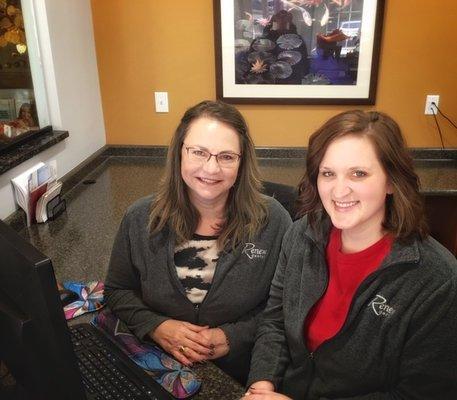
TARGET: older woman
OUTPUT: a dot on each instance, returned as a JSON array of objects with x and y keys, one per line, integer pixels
[
  {"x": 191, "y": 267},
  {"x": 364, "y": 303}
]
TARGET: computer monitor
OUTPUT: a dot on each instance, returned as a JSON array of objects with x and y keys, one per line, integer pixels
[{"x": 34, "y": 339}]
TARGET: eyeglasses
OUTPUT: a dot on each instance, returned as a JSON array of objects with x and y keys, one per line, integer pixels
[{"x": 224, "y": 158}]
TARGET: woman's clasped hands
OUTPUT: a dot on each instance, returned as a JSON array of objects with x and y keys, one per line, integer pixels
[{"x": 189, "y": 343}]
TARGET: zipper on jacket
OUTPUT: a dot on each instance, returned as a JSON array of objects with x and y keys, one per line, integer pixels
[
  {"x": 197, "y": 311},
  {"x": 197, "y": 307},
  {"x": 180, "y": 287},
  {"x": 311, "y": 353},
  {"x": 324, "y": 289},
  {"x": 364, "y": 283}
]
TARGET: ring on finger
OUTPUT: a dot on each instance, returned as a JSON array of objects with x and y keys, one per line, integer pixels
[{"x": 182, "y": 349}]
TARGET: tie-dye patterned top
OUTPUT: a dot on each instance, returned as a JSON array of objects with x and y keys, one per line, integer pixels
[{"x": 195, "y": 263}]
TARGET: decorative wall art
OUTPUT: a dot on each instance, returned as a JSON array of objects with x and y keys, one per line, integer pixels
[{"x": 297, "y": 51}]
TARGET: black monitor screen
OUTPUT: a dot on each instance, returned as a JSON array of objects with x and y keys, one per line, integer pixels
[{"x": 34, "y": 339}]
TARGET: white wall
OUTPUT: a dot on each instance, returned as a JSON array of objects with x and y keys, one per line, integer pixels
[{"x": 65, "y": 34}]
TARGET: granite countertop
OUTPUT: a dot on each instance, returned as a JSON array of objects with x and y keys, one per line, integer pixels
[
  {"x": 437, "y": 177},
  {"x": 79, "y": 241},
  {"x": 80, "y": 248},
  {"x": 31, "y": 147}
]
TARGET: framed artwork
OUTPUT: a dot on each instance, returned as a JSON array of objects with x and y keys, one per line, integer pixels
[{"x": 297, "y": 51}]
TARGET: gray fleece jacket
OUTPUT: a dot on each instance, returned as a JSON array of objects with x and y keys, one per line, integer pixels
[
  {"x": 399, "y": 340},
  {"x": 143, "y": 289}
]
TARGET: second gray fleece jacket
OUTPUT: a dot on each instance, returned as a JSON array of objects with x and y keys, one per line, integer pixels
[
  {"x": 143, "y": 289},
  {"x": 399, "y": 340}
]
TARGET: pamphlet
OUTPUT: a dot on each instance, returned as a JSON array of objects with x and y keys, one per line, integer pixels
[{"x": 32, "y": 184}]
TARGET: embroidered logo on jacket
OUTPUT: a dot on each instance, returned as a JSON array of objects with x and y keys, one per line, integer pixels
[
  {"x": 252, "y": 252},
  {"x": 380, "y": 306}
]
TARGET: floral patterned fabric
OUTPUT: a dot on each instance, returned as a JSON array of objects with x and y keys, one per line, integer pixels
[
  {"x": 90, "y": 298},
  {"x": 174, "y": 377}
]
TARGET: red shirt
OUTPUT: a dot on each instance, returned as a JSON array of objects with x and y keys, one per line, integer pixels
[{"x": 346, "y": 273}]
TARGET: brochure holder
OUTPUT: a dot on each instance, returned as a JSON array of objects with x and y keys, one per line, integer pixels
[{"x": 55, "y": 207}]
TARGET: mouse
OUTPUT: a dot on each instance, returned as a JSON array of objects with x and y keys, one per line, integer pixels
[{"x": 67, "y": 297}]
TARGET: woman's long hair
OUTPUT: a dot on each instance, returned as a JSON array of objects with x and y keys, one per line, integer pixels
[
  {"x": 246, "y": 210},
  {"x": 405, "y": 216}
]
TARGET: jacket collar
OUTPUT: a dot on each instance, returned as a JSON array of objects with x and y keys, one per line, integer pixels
[
  {"x": 400, "y": 253},
  {"x": 319, "y": 235}
]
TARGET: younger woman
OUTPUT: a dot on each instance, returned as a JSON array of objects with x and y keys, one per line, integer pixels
[{"x": 364, "y": 303}]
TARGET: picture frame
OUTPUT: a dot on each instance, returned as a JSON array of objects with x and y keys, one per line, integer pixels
[{"x": 297, "y": 51}]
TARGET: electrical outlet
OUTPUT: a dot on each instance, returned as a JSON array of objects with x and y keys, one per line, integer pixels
[
  {"x": 161, "y": 99},
  {"x": 430, "y": 108}
]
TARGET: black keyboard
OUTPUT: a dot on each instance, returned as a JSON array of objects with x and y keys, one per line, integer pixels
[{"x": 107, "y": 373}]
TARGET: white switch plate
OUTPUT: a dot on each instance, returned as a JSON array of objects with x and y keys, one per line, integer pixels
[
  {"x": 161, "y": 99},
  {"x": 430, "y": 109}
]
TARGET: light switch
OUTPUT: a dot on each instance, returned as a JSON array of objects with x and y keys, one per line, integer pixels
[{"x": 161, "y": 99}]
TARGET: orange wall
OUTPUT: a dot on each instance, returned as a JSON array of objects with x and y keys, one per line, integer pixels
[{"x": 156, "y": 45}]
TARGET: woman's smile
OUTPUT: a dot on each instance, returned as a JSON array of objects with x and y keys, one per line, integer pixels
[
  {"x": 208, "y": 181},
  {"x": 344, "y": 206}
]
